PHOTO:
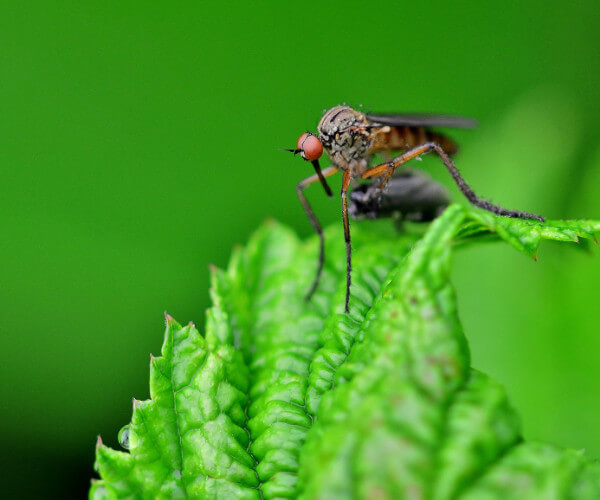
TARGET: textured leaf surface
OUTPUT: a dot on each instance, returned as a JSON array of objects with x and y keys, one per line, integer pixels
[
  {"x": 526, "y": 235},
  {"x": 284, "y": 399}
]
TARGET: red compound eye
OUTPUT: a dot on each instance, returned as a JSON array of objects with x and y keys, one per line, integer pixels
[{"x": 310, "y": 147}]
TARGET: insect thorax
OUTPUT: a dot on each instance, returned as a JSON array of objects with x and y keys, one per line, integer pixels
[{"x": 344, "y": 135}]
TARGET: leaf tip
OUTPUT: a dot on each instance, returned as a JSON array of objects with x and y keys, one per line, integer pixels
[
  {"x": 136, "y": 404},
  {"x": 534, "y": 257},
  {"x": 169, "y": 319},
  {"x": 212, "y": 271},
  {"x": 99, "y": 441}
]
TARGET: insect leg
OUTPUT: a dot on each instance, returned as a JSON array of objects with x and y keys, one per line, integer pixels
[
  {"x": 345, "y": 184},
  {"x": 315, "y": 222},
  {"x": 387, "y": 169}
]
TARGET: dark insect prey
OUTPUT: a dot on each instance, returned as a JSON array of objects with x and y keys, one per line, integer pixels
[{"x": 410, "y": 195}]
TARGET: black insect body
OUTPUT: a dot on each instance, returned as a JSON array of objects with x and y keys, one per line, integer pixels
[{"x": 409, "y": 195}]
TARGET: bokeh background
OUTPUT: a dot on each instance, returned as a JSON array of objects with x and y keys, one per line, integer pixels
[{"x": 139, "y": 143}]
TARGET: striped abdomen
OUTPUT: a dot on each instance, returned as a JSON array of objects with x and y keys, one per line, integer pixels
[{"x": 404, "y": 138}]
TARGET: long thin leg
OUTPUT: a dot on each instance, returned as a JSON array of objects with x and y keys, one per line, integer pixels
[
  {"x": 345, "y": 184},
  {"x": 387, "y": 169},
  {"x": 315, "y": 223}
]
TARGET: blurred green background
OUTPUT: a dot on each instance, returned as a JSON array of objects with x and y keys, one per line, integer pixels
[{"x": 139, "y": 143}]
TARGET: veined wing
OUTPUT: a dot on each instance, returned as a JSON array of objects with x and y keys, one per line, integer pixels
[{"x": 420, "y": 120}]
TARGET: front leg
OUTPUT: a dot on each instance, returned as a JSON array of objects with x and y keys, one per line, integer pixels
[
  {"x": 314, "y": 222},
  {"x": 387, "y": 169}
]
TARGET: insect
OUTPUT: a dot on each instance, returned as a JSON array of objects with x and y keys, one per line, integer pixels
[
  {"x": 409, "y": 195},
  {"x": 351, "y": 138}
]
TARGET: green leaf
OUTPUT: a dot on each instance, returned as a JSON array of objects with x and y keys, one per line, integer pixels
[
  {"x": 526, "y": 235},
  {"x": 284, "y": 399},
  {"x": 190, "y": 439}
]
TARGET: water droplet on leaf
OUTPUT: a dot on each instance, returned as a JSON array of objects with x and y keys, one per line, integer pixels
[{"x": 124, "y": 434}]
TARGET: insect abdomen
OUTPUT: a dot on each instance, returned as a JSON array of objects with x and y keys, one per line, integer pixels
[{"x": 403, "y": 138}]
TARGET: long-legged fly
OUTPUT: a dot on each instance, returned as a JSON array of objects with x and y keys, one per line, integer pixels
[{"x": 351, "y": 138}]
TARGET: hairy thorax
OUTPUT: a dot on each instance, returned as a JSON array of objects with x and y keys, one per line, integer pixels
[{"x": 346, "y": 139}]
